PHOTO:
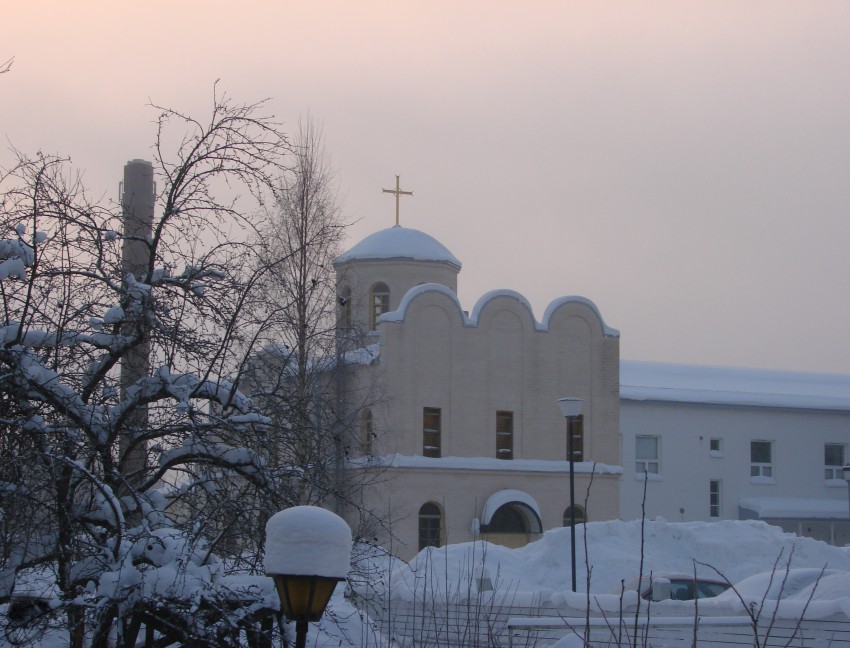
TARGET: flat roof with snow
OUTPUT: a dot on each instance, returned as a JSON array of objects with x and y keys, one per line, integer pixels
[{"x": 656, "y": 381}]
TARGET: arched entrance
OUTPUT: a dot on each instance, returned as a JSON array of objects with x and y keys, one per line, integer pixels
[{"x": 511, "y": 518}]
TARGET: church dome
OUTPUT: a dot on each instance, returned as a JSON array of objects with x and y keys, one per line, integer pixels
[{"x": 399, "y": 242}]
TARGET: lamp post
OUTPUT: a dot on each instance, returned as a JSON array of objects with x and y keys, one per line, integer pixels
[
  {"x": 308, "y": 551},
  {"x": 846, "y": 470},
  {"x": 571, "y": 409}
]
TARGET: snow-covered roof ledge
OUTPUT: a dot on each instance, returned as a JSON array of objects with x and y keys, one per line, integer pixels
[
  {"x": 481, "y": 464},
  {"x": 792, "y": 507},
  {"x": 400, "y": 313},
  {"x": 711, "y": 385}
]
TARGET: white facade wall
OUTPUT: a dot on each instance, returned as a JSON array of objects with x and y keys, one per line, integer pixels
[
  {"x": 433, "y": 355},
  {"x": 680, "y": 492}
]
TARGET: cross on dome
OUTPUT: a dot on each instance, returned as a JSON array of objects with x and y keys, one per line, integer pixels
[{"x": 397, "y": 192}]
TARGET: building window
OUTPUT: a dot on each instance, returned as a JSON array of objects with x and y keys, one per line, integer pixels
[
  {"x": 579, "y": 516},
  {"x": 368, "y": 434},
  {"x": 431, "y": 431},
  {"x": 430, "y": 526},
  {"x": 380, "y": 303},
  {"x": 761, "y": 459},
  {"x": 714, "y": 498},
  {"x": 345, "y": 308},
  {"x": 715, "y": 447},
  {"x": 505, "y": 435},
  {"x": 833, "y": 459},
  {"x": 578, "y": 439},
  {"x": 647, "y": 460}
]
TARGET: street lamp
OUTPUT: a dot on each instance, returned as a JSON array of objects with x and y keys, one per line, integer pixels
[
  {"x": 571, "y": 409},
  {"x": 846, "y": 470},
  {"x": 308, "y": 551}
]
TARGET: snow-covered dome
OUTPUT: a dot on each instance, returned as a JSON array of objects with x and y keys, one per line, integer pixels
[{"x": 399, "y": 242}]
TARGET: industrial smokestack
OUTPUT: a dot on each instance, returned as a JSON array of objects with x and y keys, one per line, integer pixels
[{"x": 137, "y": 202}]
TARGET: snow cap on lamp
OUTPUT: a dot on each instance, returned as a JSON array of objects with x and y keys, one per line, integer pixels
[{"x": 308, "y": 541}]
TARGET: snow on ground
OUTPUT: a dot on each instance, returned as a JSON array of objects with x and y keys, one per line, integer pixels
[
  {"x": 736, "y": 549},
  {"x": 740, "y": 550}
]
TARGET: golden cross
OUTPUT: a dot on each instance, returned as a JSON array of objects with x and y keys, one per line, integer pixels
[{"x": 398, "y": 193}]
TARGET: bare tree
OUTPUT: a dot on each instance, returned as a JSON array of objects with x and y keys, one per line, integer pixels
[
  {"x": 113, "y": 547},
  {"x": 299, "y": 376},
  {"x": 6, "y": 65}
]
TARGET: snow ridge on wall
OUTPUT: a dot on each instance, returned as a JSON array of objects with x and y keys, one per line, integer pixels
[{"x": 400, "y": 314}]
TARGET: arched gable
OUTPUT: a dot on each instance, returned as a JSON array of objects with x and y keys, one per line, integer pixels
[
  {"x": 524, "y": 503},
  {"x": 453, "y": 305},
  {"x": 577, "y": 306},
  {"x": 498, "y": 301}
]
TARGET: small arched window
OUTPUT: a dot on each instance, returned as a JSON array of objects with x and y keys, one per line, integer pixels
[
  {"x": 345, "y": 308},
  {"x": 580, "y": 516},
  {"x": 379, "y": 302},
  {"x": 368, "y": 434},
  {"x": 430, "y": 526}
]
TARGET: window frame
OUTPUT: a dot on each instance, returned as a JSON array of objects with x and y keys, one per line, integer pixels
[
  {"x": 345, "y": 308},
  {"x": 432, "y": 436},
  {"x": 646, "y": 462},
  {"x": 367, "y": 431},
  {"x": 580, "y": 515},
  {"x": 426, "y": 528},
  {"x": 718, "y": 450},
  {"x": 761, "y": 469},
  {"x": 834, "y": 471},
  {"x": 715, "y": 498},
  {"x": 504, "y": 434},
  {"x": 379, "y": 303}
]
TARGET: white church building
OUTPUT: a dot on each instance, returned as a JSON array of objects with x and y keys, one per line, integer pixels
[{"x": 465, "y": 439}]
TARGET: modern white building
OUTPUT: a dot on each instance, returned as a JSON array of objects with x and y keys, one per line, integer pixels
[
  {"x": 465, "y": 439},
  {"x": 704, "y": 443}
]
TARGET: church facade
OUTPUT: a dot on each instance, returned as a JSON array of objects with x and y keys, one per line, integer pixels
[{"x": 460, "y": 435}]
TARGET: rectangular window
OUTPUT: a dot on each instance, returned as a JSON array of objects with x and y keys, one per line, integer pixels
[
  {"x": 647, "y": 460},
  {"x": 714, "y": 498},
  {"x": 715, "y": 447},
  {"x": 761, "y": 459},
  {"x": 505, "y": 435},
  {"x": 431, "y": 431},
  {"x": 430, "y": 526},
  {"x": 578, "y": 439},
  {"x": 833, "y": 460}
]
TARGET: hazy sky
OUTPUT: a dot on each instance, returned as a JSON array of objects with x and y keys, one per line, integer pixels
[{"x": 682, "y": 164}]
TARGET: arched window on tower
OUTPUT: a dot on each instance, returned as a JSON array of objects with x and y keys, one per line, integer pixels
[
  {"x": 345, "y": 308},
  {"x": 580, "y": 516},
  {"x": 430, "y": 526},
  {"x": 379, "y": 302},
  {"x": 368, "y": 434}
]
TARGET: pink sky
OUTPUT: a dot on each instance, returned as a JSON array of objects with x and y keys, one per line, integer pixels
[{"x": 682, "y": 164}]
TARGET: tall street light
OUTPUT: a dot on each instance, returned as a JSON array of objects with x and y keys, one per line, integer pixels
[
  {"x": 308, "y": 551},
  {"x": 571, "y": 409}
]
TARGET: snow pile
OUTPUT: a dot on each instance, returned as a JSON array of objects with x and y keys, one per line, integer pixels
[{"x": 539, "y": 573}]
